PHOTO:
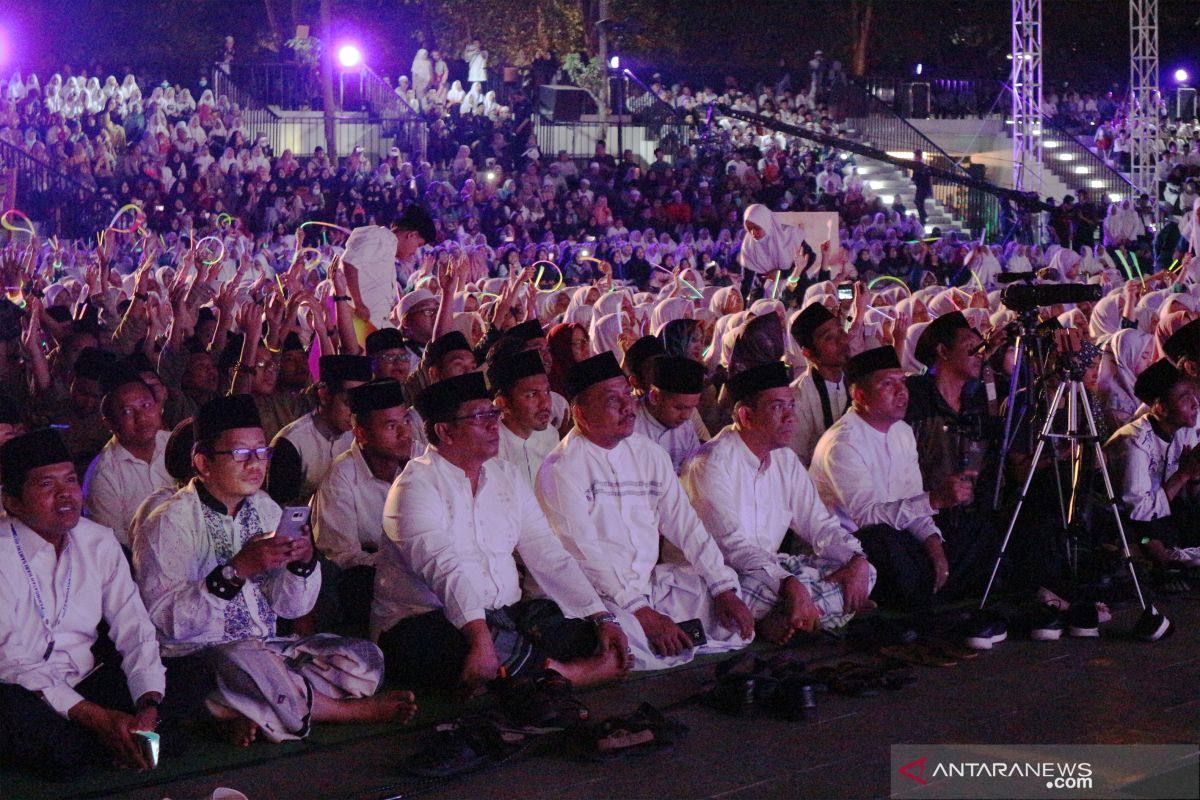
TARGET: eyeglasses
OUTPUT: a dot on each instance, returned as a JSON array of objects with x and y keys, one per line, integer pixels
[
  {"x": 241, "y": 455},
  {"x": 392, "y": 358},
  {"x": 428, "y": 312},
  {"x": 479, "y": 418}
]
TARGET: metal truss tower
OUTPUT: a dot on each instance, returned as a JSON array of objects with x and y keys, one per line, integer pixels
[
  {"x": 1144, "y": 94},
  {"x": 1027, "y": 94}
]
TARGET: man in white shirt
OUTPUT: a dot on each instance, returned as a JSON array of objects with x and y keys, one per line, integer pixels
[
  {"x": 130, "y": 467},
  {"x": 1156, "y": 467},
  {"x": 522, "y": 392},
  {"x": 416, "y": 312},
  {"x": 749, "y": 488},
  {"x": 609, "y": 493},
  {"x": 371, "y": 255},
  {"x": 304, "y": 450},
  {"x": 60, "y": 575},
  {"x": 820, "y": 391},
  {"x": 216, "y": 575},
  {"x": 347, "y": 510},
  {"x": 532, "y": 337},
  {"x": 865, "y": 468},
  {"x": 448, "y": 608},
  {"x": 664, "y": 414}
]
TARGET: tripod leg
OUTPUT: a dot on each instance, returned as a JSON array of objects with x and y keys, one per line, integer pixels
[
  {"x": 1012, "y": 523},
  {"x": 1009, "y": 413},
  {"x": 1112, "y": 501}
]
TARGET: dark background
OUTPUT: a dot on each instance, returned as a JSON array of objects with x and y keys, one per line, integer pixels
[{"x": 1086, "y": 42}]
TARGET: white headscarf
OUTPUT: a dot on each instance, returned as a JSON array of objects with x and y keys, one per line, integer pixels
[{"x": 776, "y": 250}]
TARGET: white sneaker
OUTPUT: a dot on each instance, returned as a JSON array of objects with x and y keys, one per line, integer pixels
[{"x": 1188, "y": 556}]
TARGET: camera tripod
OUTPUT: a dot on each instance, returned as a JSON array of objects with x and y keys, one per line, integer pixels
[{"x": 1080, "y": 431}]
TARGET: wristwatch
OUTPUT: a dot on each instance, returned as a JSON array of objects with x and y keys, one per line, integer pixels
[
  {"x": 230, "y": 574},
  {"x": 605, "y": 617}
]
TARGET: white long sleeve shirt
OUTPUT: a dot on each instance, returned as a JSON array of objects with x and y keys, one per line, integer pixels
[
  {"x": 176, "y": 552},
  {"x": 810, "y": 415},
  {"x": 680, "y": 442},
  {"x": 449, "y": 548},
  {"x": 117, "y": 482},
  {"x": 748, "y": 505},
  {"x": 347, "y": 511},
  {"x": 88, "y": 582},
  {"x": 609, "y": 506},
  {"x": 527, "y": 454},
  {"x": 869, "y": 477},
  {"x": 1142, "y": 462}
]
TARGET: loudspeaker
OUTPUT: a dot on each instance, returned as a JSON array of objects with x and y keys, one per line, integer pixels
[{"x": 564, "y": 103}]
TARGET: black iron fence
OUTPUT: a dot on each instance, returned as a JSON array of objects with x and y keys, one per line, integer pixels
[
  {"x": 877, "y": 123},
  {"x": 942, "y": 98},
  {"x": 578, "y": 139},
  {"x": 59, "y": 204}
]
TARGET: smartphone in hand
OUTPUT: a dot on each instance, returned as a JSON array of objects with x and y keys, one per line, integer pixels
[{"x": 293, "y": 522}]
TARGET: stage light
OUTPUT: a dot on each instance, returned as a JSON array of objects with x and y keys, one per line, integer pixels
[
  {"x": 349, "y": 56},
  {"x": 614, "y": 62},
  {"x": 1181, "y": 75},
  {"x": 920, "y": 68}
]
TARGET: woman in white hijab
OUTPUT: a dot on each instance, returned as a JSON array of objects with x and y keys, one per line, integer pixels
[
  {"x": 1128, "y": 352},
  {"x": 605, "y": 334},
  {"x": 665, "y": 311},
  {"x": 422, "y": 73},
  {"x": 768, "y": 246},
  {"x": 909, "y": 360},
  {"x": 456, "y": 94},
  {"x": 1106, "y": 319}
]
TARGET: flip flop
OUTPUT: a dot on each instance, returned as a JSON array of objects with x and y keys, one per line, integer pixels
[
  {"x": 643, "y": 732},
  {"x": 917, "y": 654}
]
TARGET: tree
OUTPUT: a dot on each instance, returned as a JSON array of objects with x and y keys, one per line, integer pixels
[
  {"x": 861, "y": 12},
  {"x": 327, "y": 79}
]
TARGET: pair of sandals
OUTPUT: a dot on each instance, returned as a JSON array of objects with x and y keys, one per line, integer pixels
[
  {"x": 646, "y": 731},
  {"x": 864, "y": 679},
  {"x": 526, "y": 706},
  {"x": 928, "y": 652},
  {"x": 782, "y": 688}
]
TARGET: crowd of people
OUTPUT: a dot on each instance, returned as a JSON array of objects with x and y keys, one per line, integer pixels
[{"x": 440, "y": 436}]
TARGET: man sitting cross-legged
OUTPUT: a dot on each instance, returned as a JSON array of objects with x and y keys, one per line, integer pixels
[
  {"x": 608, "y": 492},
  {"x": 749, "y": 487},
  {"x": 215, "y": 578},
  {"x": 448, "y": 609}
]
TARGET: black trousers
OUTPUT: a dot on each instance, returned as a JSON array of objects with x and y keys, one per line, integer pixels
[
  {"x": 428, "y": 651},
  {"x": 34, "y": 737},
  {"x": 905, "y": 573}
]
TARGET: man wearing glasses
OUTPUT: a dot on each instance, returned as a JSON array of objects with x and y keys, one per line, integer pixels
[
  {"x": 448, "y": 608},
  {"x": 215, "y": 578}
]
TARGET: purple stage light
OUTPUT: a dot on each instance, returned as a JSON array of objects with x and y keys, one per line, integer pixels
[
  {"x": 349, "y": 56},
  {"x": 1181, "y": 75}
]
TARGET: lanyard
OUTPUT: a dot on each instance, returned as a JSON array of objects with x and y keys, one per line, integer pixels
[
  {"x": 37, "y": 594},
  {"x": 823, "y": 394}
]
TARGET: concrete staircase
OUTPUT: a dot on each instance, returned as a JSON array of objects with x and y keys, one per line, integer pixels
[{"x": 891, "y": 183}]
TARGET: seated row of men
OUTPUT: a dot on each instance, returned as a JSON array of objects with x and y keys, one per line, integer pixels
[{"x": 474, "y": 566}]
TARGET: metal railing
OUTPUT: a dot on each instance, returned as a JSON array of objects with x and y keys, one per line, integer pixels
[
  {"x": 64, "y": 206},
  {"x": 1074, "y": 163},
  {"x": 877, "y": 123},
  {"x": 388, "y": 123},
  {"x": 579, "y": 139},
  {"x": 942, "y": 98}
]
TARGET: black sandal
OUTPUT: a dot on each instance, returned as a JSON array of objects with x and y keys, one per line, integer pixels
[{"x": 643, "y": 732}]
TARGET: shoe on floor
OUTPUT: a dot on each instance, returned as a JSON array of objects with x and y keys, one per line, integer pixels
[
  {"x": 1152, "y": 626},
  {"x": 1083, "y": 621},
  {"x": 982, "y": 630},
  {"x": 1046, "y": 624}
]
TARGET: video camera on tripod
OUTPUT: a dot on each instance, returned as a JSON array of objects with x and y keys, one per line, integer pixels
[{"x": 1022, "y": 297}]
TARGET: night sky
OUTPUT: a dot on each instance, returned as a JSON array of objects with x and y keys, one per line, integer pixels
[{"x": 1085, "y": 41}]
